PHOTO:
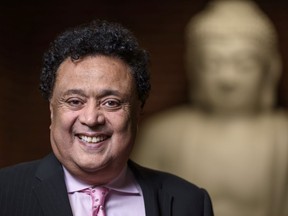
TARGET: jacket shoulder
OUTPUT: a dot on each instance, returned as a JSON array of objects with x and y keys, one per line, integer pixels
[
  {"x": 187, "y": 197},
  {"x": 18, "y": 171},
  {"x": 166, "y": 181}
]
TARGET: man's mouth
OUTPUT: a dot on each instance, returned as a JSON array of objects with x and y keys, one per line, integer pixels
[{"x": 93, "y": 139}]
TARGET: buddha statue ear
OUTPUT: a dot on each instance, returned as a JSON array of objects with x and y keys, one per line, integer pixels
[{"x": 271, "y": 81}]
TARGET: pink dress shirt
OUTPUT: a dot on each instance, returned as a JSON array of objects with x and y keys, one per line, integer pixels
[{"x": 124, "y": 199}]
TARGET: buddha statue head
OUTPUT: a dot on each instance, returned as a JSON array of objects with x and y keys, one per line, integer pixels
[{"x": 232, "y": 57}]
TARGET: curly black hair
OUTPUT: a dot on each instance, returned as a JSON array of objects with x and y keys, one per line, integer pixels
[{"x": 98, "y": 37}]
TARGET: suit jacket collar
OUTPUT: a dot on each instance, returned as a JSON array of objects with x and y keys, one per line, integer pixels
[
  {"x": 50, "y": 188},
  {"x": 157, "y": 201}
]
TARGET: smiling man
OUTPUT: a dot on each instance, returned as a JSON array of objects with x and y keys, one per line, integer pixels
[
  {"x": 94, "y": 113},
  {"x": 96, "y": 79}
]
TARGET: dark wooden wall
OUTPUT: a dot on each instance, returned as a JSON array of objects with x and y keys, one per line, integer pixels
[{"x": 27, "y": 27}]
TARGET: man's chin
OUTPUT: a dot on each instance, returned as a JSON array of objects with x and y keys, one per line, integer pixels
[{"x": 93, "y": 165}]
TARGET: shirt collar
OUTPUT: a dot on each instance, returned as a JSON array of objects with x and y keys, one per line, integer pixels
[{"x": 124, "y": 182}]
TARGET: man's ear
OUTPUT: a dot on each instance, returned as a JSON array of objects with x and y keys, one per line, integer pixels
[
  {"x": 51, "y": 110},
  {"x": 51, "y": 113}
]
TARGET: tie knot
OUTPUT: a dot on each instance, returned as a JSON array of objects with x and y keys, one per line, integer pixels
[{"x": 97, "y": 195}]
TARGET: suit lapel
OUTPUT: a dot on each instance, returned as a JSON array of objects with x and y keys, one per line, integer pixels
[
  {"x": 150, "y": 199},
  {"x": 165, "y": 202},
  {"x": 157, "y": 202},
  {"x": 50, "y": 188}
]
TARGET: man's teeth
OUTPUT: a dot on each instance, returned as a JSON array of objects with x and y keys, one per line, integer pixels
[{"x": 92, "y": 139}]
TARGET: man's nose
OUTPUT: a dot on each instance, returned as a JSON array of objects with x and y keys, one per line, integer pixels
[{"x": 92, "y": 115}]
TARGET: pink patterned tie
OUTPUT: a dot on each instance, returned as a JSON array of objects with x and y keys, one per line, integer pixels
[{"x": 98, "y": 195}]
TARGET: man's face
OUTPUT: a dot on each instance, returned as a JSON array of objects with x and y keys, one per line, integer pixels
[
  {"x": 231, "y": 74},
  {"x": 94, "y": 116}
]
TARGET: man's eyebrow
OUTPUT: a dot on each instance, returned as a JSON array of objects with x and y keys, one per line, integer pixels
[
  {"x": 74, "y": 92},
  {"x": 102, "y": 93},
  {"x": 107, "y": 92}
]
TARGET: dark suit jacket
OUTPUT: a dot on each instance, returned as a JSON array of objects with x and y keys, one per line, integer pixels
[{"x": 38, "y": 188}]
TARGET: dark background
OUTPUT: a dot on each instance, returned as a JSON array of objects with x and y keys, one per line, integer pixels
[{"x": 27, "y": 27}]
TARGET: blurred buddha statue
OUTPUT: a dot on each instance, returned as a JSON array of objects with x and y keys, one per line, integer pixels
[{"x": 230, "y": 139}]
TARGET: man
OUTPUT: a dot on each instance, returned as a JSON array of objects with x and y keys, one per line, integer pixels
[{"x": 96, "y": 80}]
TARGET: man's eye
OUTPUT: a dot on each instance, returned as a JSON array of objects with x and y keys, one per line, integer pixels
[
  {"x": 112, "y": 104},
  {"x": 75, "y": 102}
]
